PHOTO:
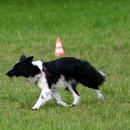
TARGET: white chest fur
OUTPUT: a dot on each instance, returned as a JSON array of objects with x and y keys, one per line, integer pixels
[
  {"x": 42, "y": 82},
  {"x": 39, "y": 79},
  {"x": 33, "y": 79}
]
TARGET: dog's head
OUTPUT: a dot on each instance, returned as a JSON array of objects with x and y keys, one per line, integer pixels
[{"x": 23, "y": 67}]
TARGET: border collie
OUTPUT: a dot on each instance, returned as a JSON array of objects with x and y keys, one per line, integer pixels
[{"x": 64, "y": 72}]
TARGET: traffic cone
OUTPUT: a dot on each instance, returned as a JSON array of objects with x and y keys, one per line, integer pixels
[{"x": 59, "y": 51}]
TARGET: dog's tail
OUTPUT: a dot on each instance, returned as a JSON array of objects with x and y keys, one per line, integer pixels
[
  {"x": 101, "y": 78},
  {"x": 88, "y": 75},
  {"x": 104, "y": 75}
]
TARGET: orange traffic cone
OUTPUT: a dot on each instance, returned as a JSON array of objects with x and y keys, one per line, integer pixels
[{"x": 59, "y": 51}]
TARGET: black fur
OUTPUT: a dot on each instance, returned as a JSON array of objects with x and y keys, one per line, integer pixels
[
  {"x": 71, "y": 68},
  {"x": 24, "y": 68}
]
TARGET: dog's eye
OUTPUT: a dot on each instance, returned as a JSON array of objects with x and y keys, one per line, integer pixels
[{"x": 24, "y": 63}]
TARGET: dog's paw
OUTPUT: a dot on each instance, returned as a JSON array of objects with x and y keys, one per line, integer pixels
[
  {"x": 99, "y": 94},
  {"x": 67, "y": 105},
  {"x": 72, "y": 105},
  {"x": 101, "y": 97},
  {"x": 35, "y": 107}
]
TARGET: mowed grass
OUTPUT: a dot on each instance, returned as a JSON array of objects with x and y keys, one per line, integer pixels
[{"x": 94, "y": 30}]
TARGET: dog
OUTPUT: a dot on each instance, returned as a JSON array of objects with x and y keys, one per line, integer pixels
[{"x": 64, "y": 72}]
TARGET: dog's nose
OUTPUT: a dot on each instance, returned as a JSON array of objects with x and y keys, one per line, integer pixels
[{"x": 7, "y": 73}]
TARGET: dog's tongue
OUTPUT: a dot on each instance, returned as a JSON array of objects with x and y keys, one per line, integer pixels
[{"x": 8, "y": 77}]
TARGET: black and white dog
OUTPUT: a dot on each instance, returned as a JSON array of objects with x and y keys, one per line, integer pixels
[{"x": 64, "y": 72}]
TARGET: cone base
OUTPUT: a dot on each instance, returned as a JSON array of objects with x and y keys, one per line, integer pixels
[{"x": 59, "y": 54}]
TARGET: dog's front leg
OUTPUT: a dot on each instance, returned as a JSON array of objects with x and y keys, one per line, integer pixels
[
  {"x": 43, "y": 98},
  {"x": 45, "y": 92}
]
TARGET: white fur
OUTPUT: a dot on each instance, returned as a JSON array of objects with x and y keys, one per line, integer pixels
[
  {"x": 76, "y": 97},
  {"x": 57, "y": 97},
  {"x": 45, "y": 91},
  {"x": 60, "y": 84},
  {"x": 33, "y": 79},
  {"x": 42, "y": 82},
  {"x": 48, "y": 94},
  {"x": 39, "y": 78},
  {"x": 103, "y": 74},
  {"x": 38, "y": 64},
  {"x": 44, "y": 97},
  {"x": 99, "y": 94}
]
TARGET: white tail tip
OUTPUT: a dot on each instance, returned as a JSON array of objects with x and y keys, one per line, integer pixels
[{"x": 103, "y": 74}]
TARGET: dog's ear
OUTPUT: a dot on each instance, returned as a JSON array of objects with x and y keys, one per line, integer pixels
[
  {"x": 23, "y": 57},
  {"x": 29, "y": 59}
]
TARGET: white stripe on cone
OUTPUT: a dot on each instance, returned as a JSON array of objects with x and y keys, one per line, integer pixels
[
  {"x": 59, "y": 50},
  {"x": 58, "y": 44}
]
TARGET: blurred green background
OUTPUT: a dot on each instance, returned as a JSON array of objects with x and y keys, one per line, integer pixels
[{"x": 93, "y": 30}]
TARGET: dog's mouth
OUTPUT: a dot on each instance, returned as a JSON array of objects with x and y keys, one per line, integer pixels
[{"x": 8, "y": 76}]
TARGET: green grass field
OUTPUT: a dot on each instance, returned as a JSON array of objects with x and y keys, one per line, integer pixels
[{"x": 94, "y": 30}]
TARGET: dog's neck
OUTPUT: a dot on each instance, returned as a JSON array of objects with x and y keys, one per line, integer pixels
[
  {"x": 39, "y": 64},
  {"x": 35, "y": 79},
  {"x": 39, "y": 79}
]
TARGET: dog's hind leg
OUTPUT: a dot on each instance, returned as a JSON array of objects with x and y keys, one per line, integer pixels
[
  {"x": 57, "y": 96},
  {"x": 99, "y": 94},
  {"x": 72, "y": 89},
  {"x": 43, "y": 98}
]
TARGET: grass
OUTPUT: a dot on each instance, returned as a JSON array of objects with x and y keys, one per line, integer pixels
[{"x": 97, "y": 31}]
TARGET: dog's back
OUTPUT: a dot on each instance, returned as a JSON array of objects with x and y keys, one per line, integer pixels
[{"x": 72, "y": 68}]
